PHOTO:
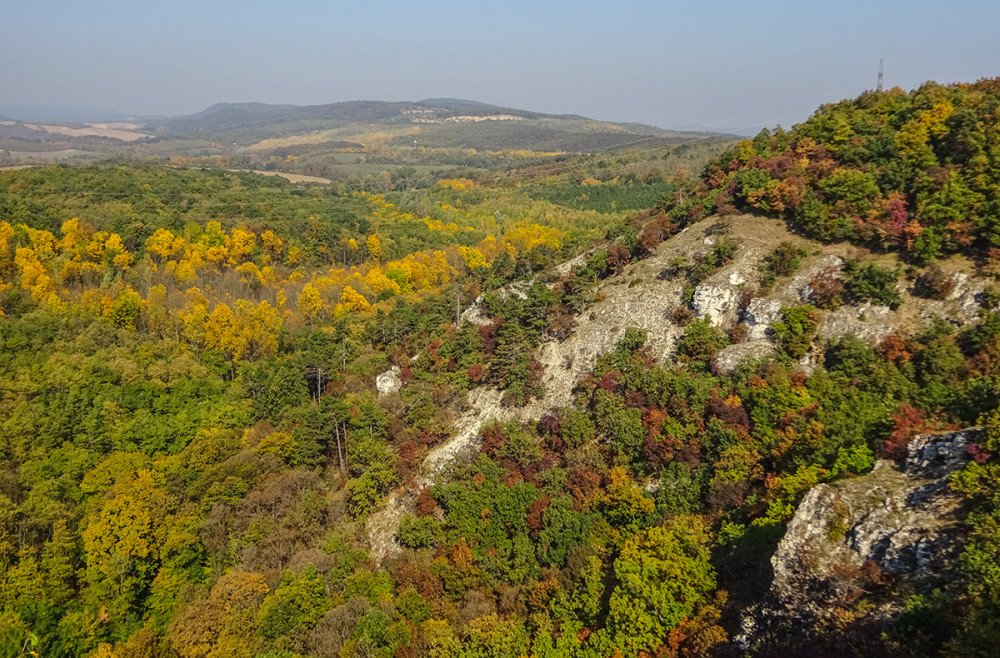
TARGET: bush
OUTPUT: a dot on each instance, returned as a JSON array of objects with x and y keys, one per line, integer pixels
[
  {"x": 935, "y": 283},
  {"x": 849, "y": 355},
  {"x": 701, "y": 341},
  {"x": 785, "y": 259},
  {"x": 419, "y": 532},
  {"x": 738, "y": 333},
  {"x": 827, "y": 289},
  {"x": 871, "y": 283},
  {"x": 682, "y": 315},
  {"x": 796, "y": 332},
  {"x": 724, "y": 250}
]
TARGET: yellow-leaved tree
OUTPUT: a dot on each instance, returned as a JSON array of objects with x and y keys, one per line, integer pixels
[
  {"x": 374, "y": 245},
  {"x": 241, "y": 245},
  {"x": 272, "y": 247},
  {"x": 352, "y": 300},
  {"x": 250, "y": 333},
  {"x": 122, "y": 542},
  {"x": 34, "y": 276},
  {"x": 309, "y": 303},
  {"x": 474, "y": 259}
]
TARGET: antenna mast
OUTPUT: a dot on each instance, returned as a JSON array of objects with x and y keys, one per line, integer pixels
[{"x": 880, "y": 73}]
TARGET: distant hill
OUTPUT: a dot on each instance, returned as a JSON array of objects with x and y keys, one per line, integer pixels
[
  {"x": 441, "y": 122},
  {"x": 60, "y": 114}
]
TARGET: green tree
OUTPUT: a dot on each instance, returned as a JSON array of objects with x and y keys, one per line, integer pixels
[{"x": 663, "y": 575}]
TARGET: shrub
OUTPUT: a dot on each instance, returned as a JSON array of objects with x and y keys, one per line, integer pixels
[
  {"x": 871, "y": 283},
  {"x": 849, "y": 355},
  {"x": 796, "y": 332},
  {"x": 682, "y": 315},
  {"x": 827, "y": 289},
  {"x": 785, "y": 259},
  {"x": 419, "y": 532},
  {"x": 935, "y": 283},
  {"x": 738, "y": 333},
  {"x": 724, "y": 250},
  {"x": 701, "y": 341}
]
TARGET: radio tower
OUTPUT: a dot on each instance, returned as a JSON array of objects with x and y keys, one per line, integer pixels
[{"x": 880, "y": 75}]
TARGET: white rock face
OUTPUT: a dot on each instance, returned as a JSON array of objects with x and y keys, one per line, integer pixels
[
  {"x": 730, "y": 357},
  {"x": 476, "y": 312},
  {"x": 713, "y": 302},
  {"x": 759, "y": 315},
  {"x": 960, "y": 280},
  {"x": 903, "y": 521},
  {"x": 389, "y": 381},
  {"x": 869, "y": 322}
]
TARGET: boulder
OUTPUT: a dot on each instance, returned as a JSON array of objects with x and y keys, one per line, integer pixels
[
  {"x": 900, "y": 524},
  {"x": 389, "y": 381}
]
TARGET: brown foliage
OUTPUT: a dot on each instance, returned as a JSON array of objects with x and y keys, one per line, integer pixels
[
  {"x": 908, "y": 422},
  {"x": 541, "y": 594},
  {"x": 476, "y": 604},
  {"x": 425, "y": 502},
  {"x": 827, "y": 289},
  {"x": 416, "y": 575},
  {"x": 894, "y": 348},
  {"x": 935, "y": 283},
  {"x": 408, "y": 453},
  {"x": 493, "y": 440},
  {"x": 534, "y": 519},
  {"x": 682, "y": 315},
  {"x": 336, "y": 628},
  {"x": 730, "y": 411},
  {"x": 618, "y": 258},
  {"x": 582, "y": 484},
  {"x": 488, "y": 333},
  {"x": 635, "y": 400},
  {"x": 738, "y": 333}
]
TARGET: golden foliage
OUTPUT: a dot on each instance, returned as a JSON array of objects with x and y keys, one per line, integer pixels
[
  {"x": 309, "y": 303},
  {"x": 374, "y": 246},
  {"x": 352, "y": 300}
]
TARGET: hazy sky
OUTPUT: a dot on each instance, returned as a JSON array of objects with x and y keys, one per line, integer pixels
[{"x": 723, "y": 65}]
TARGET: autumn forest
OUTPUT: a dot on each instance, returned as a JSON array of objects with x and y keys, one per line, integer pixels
[{"x": 194, "y": 455}]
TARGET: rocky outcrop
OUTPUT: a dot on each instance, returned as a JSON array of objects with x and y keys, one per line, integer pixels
[
  {"x": 730, "y": 357},
  {"x": 389, "y": 381},
  {"x": 868, "y": 322},
  {"x": 483, "y": 404},
  {"x": 713, "y": 302},
  {"x": 898, "y": 527},
  {"x": 759, "y": 315}
]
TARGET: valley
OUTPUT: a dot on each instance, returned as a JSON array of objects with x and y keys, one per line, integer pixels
[{"x": 443, "y": 378}]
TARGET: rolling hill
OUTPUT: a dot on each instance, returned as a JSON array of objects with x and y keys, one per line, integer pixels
[{"x": 438, "y": 122}]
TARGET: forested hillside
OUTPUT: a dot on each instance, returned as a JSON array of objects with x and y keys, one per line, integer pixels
[
  {"x": 192, "y": 441},
  {"x": 916, "y": 172}
]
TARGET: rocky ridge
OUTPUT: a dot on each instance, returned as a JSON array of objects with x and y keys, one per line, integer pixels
[{"x": 645, "y": 295}]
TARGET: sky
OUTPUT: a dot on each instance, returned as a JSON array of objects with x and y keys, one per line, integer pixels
[{"x": 724, "y": 65}]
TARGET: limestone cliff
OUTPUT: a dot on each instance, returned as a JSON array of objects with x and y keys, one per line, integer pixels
[{"x": 855, "y": 546}]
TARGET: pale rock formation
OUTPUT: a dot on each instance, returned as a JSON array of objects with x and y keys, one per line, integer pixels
[
  {"x": 389, "y": 381},
  {"x": 713, "y": 302},
  {"x": 899, "y": 523},
  {"x": 759, "y": 315}
]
